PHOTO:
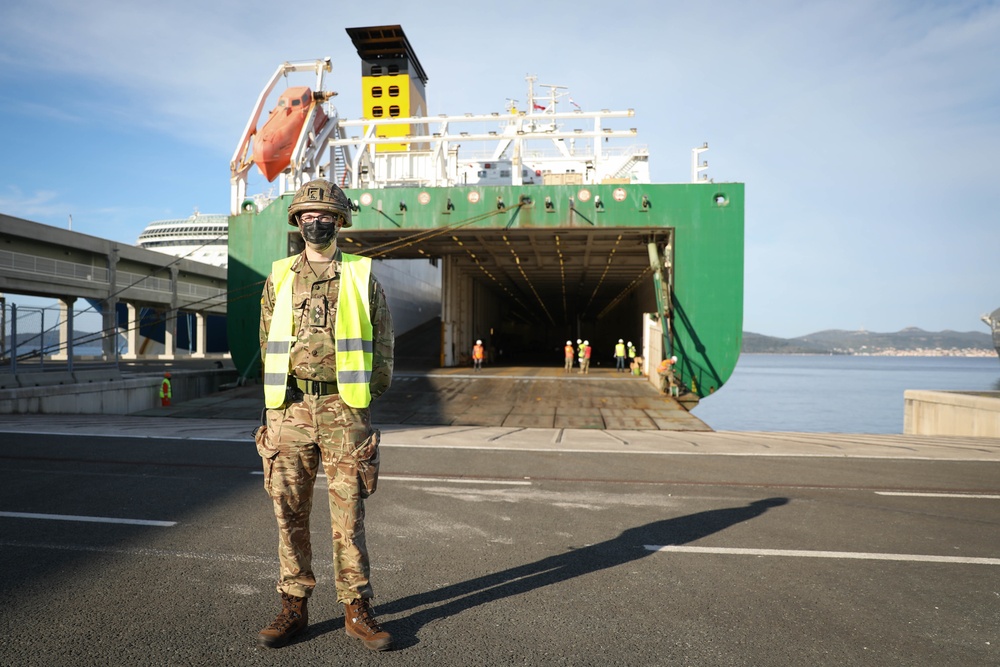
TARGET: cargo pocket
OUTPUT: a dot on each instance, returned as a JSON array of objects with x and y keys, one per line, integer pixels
[
  {"x": 266, "y": 450},
  {"x": 368, "y": 460}
]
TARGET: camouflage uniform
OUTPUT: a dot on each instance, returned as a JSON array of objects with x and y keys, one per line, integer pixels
[{"x": 310, "y": 429}]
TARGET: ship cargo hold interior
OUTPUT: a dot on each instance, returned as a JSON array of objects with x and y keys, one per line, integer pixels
[{"x": 525, "y": 292}]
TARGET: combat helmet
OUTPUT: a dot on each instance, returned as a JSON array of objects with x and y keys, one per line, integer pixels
[{"x": 320, "y": 195}]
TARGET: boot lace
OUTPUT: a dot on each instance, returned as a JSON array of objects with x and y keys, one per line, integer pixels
[
  {"x": 365, "y": 616},
  {"x": 285, "y": 618}
]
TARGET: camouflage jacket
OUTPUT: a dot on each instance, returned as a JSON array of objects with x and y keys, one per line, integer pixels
[{"x": 314, "y": 306}]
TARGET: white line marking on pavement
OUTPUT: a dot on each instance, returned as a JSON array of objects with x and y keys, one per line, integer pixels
[
  {"x": 149, "y": 553},
  {"x": 225, "y": 435},
  {"x": 92, "y": 519},
  {"x": 938, "y": 495},
  {"x": 504, "y": 482},
  {"x": 739, "y": 454},
  {"x": 441, "y": 480},
  {"x": 847, "y": 555}
]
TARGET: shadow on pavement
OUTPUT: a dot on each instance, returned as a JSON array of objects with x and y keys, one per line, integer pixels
[{"x": 626, "y": 547}]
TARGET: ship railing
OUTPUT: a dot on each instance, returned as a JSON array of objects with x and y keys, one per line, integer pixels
[{"x": 438, "y": 135}]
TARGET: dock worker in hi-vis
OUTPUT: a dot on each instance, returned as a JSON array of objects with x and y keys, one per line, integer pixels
[{"x": 327, "y": 342}]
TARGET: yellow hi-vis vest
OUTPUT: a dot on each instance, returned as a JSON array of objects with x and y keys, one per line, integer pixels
[{"x": 352, "y": 331}]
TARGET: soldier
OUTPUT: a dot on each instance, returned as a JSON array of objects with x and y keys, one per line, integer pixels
[{"x": 327, "y": 342}]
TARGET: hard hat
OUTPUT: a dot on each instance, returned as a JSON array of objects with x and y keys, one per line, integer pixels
[
  {"x": 586, "y": 342},
  {"x": 620, "y": 340},
  {"x": 479, "y": 342},
  {"x": 320, "y": 195},
  {"x": 167, "y": 374},
  {"x": 569, "y": 342},
  {"x": 630, "y": 342},
  {"x": 673, "y": 358},
  {"x": 578, "y": 341}
]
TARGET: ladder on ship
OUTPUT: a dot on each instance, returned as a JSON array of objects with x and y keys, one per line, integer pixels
[{"x": 341, "y": 159}]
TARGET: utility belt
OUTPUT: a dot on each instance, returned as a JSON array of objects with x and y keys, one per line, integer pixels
[{"x": 313, "y": 387}]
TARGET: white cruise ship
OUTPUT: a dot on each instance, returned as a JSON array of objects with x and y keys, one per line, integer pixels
[{"x": 203, "y": 237}]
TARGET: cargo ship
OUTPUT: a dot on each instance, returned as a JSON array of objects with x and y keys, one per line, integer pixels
[{"x": 523, "y": 226}]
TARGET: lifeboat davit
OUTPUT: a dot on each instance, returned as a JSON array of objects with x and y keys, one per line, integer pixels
[{"x": 273, "y": 144}]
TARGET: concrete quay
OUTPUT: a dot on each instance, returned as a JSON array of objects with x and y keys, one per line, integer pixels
[
  {"x": 952, "y": 413},
  {"x": 517, "y": 407},
  {"x": 521, "y": 410}
]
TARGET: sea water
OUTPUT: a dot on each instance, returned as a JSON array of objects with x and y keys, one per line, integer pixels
[{"x": 835, "y": 394}]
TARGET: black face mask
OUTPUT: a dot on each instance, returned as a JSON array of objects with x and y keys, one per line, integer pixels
[{"x": 318, "y": 233}]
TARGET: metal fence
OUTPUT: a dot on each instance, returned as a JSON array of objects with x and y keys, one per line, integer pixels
[{"x": 30, "y": 340}]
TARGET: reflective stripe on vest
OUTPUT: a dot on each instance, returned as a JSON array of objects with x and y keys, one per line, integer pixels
[
  {"x": 353, "y": 333},
  {"x": 279, "y": 336}
]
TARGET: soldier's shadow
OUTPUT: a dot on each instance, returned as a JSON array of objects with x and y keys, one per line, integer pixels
[{"x": 628, "y": 546}]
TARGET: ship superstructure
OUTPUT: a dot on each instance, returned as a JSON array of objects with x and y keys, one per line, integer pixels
[{"x": 202, "y": 237}]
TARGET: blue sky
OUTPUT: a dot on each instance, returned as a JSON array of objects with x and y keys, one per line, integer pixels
[{"x": 867, "y": 132}]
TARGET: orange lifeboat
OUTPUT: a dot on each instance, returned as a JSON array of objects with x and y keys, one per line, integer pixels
[{"x": 273, "y": 144}]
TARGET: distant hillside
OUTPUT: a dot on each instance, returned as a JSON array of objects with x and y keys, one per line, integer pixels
[
  {"x": 28, "y": 343},
  {"x": 908, "y": 341},
  {"x": 761, "y": 344}
]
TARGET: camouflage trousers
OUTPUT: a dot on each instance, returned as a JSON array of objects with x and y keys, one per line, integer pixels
[{"x": 300, "y": 436}]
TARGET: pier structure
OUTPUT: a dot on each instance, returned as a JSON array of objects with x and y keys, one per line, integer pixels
[{"x": 43, "y": 261}]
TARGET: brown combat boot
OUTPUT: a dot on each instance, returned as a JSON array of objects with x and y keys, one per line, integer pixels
[
  {"x": 294, "y": 617},
  {"x": 359, "y": 621}
]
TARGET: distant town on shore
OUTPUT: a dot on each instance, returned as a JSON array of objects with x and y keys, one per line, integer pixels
[{"x": 910, "y": 342}]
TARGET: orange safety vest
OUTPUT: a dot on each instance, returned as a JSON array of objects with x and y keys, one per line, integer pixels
[
  {"x": 477, "y": 351},
  {"x": 569, "y": 351}
]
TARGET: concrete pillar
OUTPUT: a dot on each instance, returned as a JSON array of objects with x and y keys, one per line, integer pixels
[
  {"x": 109, "y": 329},
  {"x": 170, "y": 334},
  {"x": 201, "y": 335},
  {"x": 170, "y": 326},
  {"x": 65, "y": 350},
  {"x": 132, "y": 333},
  {"x": 109, "y": 323}
]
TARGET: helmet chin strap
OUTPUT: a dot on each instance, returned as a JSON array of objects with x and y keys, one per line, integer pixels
[{"x": 320, "y": 246}]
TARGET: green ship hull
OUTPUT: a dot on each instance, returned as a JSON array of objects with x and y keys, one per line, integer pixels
[{"x": 544, "y": 264}]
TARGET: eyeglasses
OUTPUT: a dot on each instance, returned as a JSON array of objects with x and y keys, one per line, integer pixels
[{"x": 309, "y": 218}]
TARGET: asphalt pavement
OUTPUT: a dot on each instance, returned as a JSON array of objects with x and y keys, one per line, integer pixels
[{"x": 149, "y": 540}]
